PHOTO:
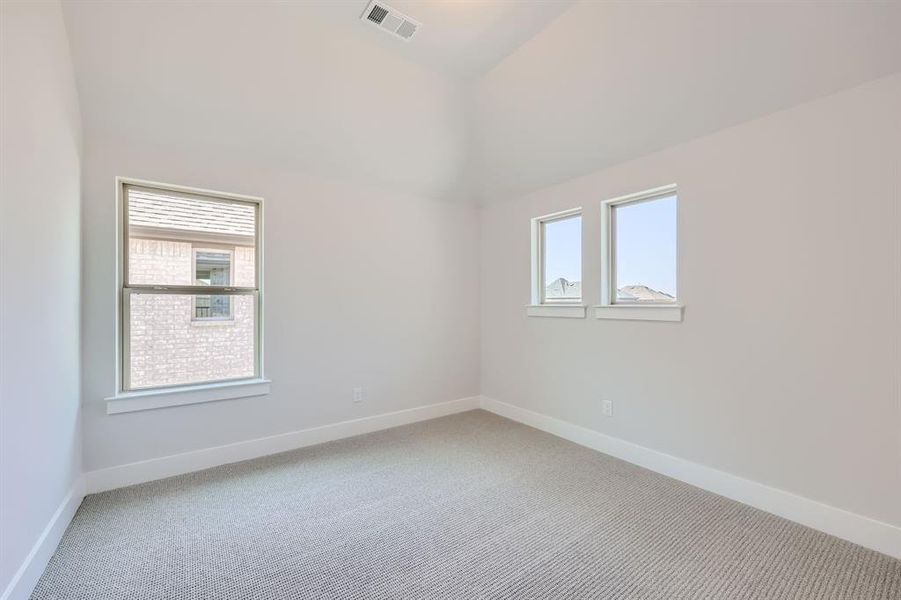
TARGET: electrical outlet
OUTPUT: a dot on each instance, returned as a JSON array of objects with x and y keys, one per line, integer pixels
[
  {"x": 358, "y": 395},
  {"x": 607, "y": 408}
]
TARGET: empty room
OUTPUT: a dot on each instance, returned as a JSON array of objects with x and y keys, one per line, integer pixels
[{"x": 450, "y": 299}]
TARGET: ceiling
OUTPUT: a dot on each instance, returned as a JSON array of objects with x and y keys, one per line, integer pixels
[
  {"x": 460, "y": 38},
  {"x": 607, "y": 82},
  {"x": 267, "y": 85},
  {"x": 491, "y": 99}
]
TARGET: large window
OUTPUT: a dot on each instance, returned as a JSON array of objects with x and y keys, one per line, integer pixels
[
  {"x": 190, "y": 294},
  {"x": 638, "y": 248},
  {"x": 557, "y": 262}
]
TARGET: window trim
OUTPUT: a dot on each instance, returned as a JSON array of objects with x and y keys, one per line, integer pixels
[
  {"x": 538, "y": 298},
  {"x": 182, "y": 395},
  {"x": 609, "y": 308},
  {"x": 207, "y": 390}
]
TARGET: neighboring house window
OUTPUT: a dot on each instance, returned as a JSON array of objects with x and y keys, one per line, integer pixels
[
  {"x": 557, "y": 258},
  {"x": 639, "y": 248},
  {"x": 189, "y": 258},
  {"x": 213, "y": 268}
]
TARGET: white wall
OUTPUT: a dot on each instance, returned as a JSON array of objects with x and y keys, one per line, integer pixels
[
  {"x": 786, "y": 368},
  {"x": 362, "y": 288},
  {"x": 40, "y": 438},
  {"x": 369, "y": 280}
]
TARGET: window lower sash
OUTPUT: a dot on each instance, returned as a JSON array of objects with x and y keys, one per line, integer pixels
[{"x": 163, "y": 346}]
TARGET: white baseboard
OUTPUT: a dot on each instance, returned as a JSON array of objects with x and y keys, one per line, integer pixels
[
  {"x": 23, "y": 582},
  {"x": 177, "y": 464},
  {"x": 861, "y": 530}
]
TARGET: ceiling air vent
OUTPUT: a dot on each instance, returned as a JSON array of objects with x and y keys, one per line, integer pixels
[
  {"x": 377, "y": 14},
  {"x": 390, "y": 20}
]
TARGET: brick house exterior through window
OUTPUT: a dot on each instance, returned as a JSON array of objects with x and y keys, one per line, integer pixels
[{"x": 175, "y": 332}]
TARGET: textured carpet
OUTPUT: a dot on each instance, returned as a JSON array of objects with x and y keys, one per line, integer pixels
[{"x": 467, "y": 506}]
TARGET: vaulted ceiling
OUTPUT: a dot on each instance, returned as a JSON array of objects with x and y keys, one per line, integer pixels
[
  {"x": 491, "y": 98},
  {"x": 607, "y": 82}
]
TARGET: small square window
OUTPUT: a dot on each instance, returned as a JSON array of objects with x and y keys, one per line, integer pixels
[
  {"x": 640, "y": 248},
  {"x": 557, "y": 258},
  {"x": 212, "y": 267}
]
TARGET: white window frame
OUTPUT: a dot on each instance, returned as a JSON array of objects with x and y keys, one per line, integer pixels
[
  {"x": 610, "y": 308},
  {"x": 540, "y": 306},
  {"x": 126, "y": 399}
]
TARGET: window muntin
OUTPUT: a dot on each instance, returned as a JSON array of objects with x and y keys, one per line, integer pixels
[
  {"x": 640, "y": 248},
  {"x": 178, "y": 248},
  {"x": 557, "y": 258}
]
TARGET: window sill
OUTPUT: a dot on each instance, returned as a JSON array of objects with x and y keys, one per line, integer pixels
[
  {"x": 566, "y": 311},
  {"x": 640, "y": 312},
  {"x": 228, "y": 322},
  {"x": 191, "y": 394}
]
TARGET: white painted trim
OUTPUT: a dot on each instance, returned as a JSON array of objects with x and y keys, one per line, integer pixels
[
  {"x": 177, "y": 464},
  {"x": 22, "y": 583},
  {"x": 569, "y": 311},
  {"x": 639, "y": 312},
  {"x": 876, "y": 535},
  {"x": 651, "y": 194},
  {"x": 189, "y": 394}
]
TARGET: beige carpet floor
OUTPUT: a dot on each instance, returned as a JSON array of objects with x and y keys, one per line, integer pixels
[{"x": 467, "y": 506}]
